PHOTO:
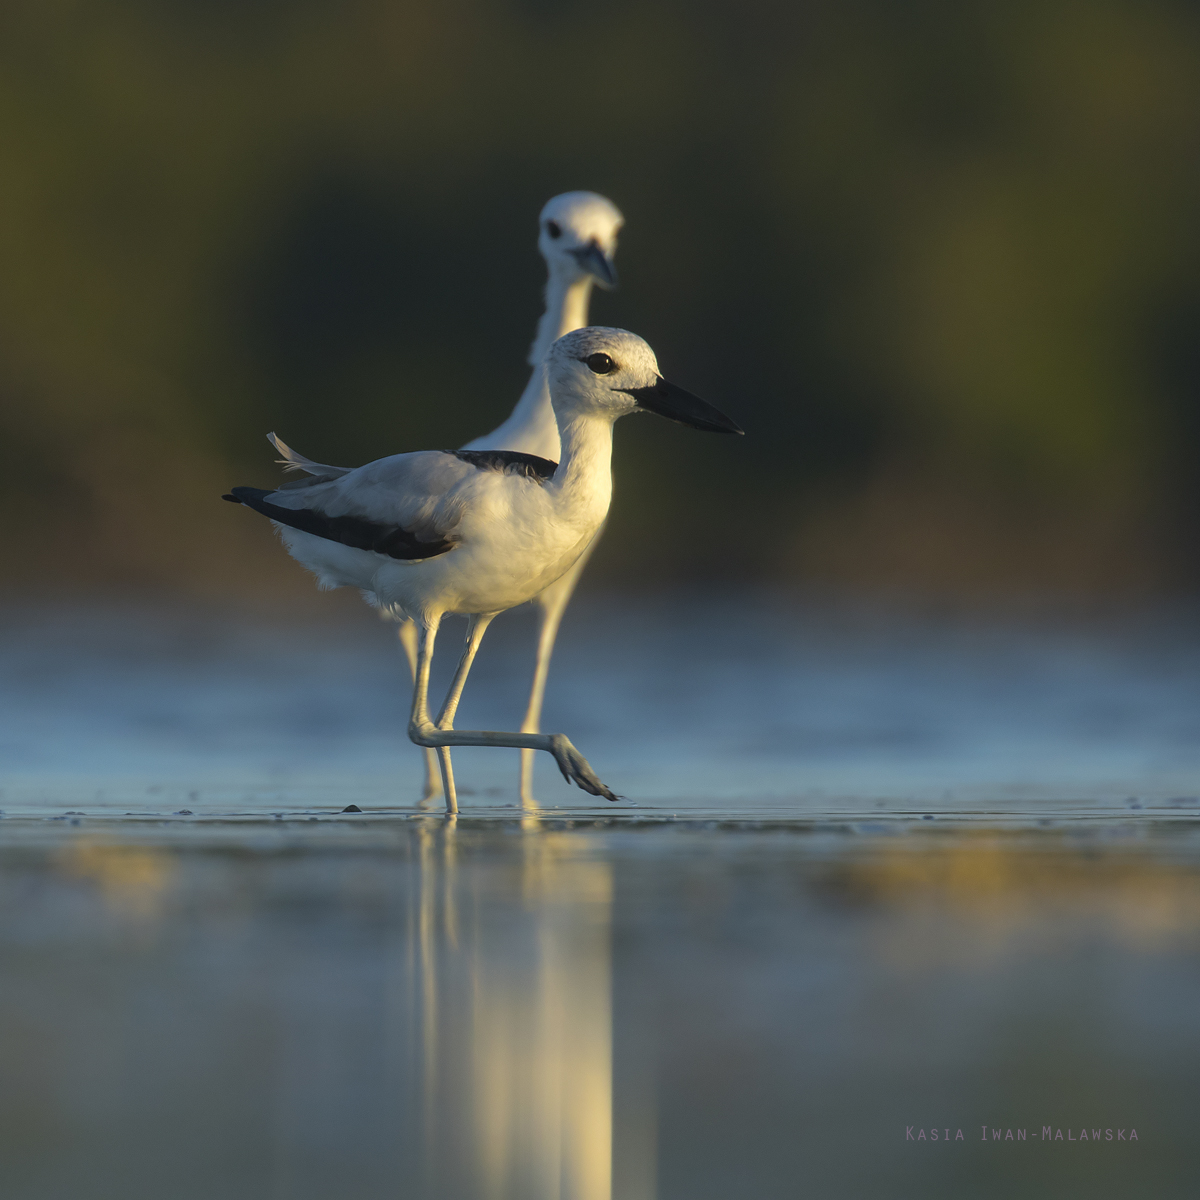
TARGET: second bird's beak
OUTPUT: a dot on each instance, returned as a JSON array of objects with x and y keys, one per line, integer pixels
[
  {"x": 677, "y": 405},
  {"x": 592, "y": 259}
]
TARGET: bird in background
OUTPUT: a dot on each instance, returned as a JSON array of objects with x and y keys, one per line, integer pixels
[
  {"x": 476, "y": 532},
  {"x": 577, "y": 236}
]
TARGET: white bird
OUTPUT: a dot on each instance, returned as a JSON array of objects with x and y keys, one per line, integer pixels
[
  {"x": 477, "y": 532},
  {"x": 577, "y": 236}
]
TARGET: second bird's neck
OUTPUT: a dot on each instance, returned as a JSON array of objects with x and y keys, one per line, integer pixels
[
  {"x": 566, "y": 309},
  {"x": 532, "y": 428}
]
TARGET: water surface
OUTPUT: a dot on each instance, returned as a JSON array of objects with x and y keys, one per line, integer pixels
[
  {"x": 763, "y": 708},
  {"x": 877, "y": 878}
]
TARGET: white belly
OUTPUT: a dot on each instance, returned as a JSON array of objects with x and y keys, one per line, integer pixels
[{"x": 476, "y": 576}]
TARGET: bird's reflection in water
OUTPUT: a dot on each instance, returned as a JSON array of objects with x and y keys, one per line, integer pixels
[
  {"x": 501, "y": 1010},
  {"x": 515, "y": 1021}
]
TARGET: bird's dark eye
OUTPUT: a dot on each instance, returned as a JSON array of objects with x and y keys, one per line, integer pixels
[
  {"x": 554, "y": 229},
  {"x": 600, "y": 363}
]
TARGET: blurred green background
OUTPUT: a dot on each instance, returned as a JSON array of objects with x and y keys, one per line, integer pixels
[{"x": 940, "y": 259}]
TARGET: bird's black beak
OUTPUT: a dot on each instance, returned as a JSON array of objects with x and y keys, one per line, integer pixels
[
  {"x": 592, "y": 259},
  {"x": 677, "y": 405}
]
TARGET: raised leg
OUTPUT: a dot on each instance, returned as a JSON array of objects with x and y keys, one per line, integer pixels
[
  {"x": 421, "y": 730},
  {"x": 433, "y": 780},
  {"x": 551, "y": 605},
  {"x": 424, "y": 732},
  {"x": 574, "y": 767}
]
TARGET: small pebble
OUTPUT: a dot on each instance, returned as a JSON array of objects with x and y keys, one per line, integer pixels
[
  {"x": 351, "y": 808},
  {"x": 183, "y": 812}
]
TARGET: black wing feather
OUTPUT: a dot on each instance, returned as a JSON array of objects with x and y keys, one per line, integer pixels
[
  {"x": 512, "y": 461},
  {"x": 358, "y": 532}
]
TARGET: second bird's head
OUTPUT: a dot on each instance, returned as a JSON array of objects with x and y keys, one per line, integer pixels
[
  {"x": 614, "y": 372},
  {"x": 577, "y": 236}
]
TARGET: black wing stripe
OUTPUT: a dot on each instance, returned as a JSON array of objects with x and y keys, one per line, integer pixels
[
  {"x": 349, "y": 531},
  {"x": 512, "y": 461}
]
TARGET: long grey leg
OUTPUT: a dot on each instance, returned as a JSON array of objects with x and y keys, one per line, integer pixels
[
  {"x": 424, "y": 732},
  {"x": 427, "y": 635},
  {"x": 476, "y": 626},
  {"x": 447, "y": 769},
  {"x": 571, "y": 763},
  {"x": 433, "y": 780},
  {"x": 552, "y": 603},
  {"x": 550, "y": 611}
]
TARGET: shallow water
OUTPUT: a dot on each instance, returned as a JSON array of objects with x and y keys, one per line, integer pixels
[
  {"x": 877, "y": 876},
  {"x": 793, "y": 711},
  {"x": 414, "y": 1008}
]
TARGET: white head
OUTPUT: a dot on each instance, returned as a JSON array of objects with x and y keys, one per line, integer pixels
[
  {"x": 577, "y": 236},
  {"x": 614, "y": 372}
]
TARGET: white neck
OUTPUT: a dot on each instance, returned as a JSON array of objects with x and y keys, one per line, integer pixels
[
  {"x": 566, "y": 309},
  {"x": 584, "y": 475},
  {"x": 532, "y": 428}
]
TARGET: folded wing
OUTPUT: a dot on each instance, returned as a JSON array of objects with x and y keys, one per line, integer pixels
[{"x": 407, "y": 506}]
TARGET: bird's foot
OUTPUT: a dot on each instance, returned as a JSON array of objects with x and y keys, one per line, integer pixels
[{"x": 576, "y": 769}]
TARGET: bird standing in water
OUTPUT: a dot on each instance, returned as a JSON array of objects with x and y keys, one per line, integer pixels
[
  {"x": 476, "y": 532},
  {"x": 577, "y": 236}
]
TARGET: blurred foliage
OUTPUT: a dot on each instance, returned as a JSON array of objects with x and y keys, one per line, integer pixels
[{"x": 939, "y": 258}]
